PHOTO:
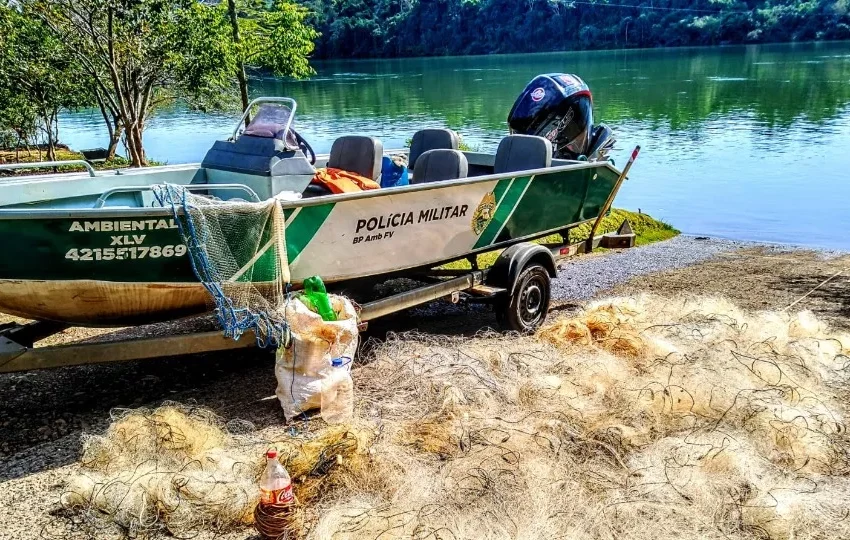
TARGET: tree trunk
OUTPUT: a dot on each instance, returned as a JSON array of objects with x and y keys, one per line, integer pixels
[
  {"x": 240, "y": 68},
  {"x": 140, "y": 150},
  {"x": 47, "y": 118},
  {"x": 114, "y": 139},
  {"x": 243, "y": 89},
  {"x": 136, "y": 147},
  {"x": 113, "y": 126},
  {"x": 130, "y": 145},
  {"x": 132, "y": 149}
]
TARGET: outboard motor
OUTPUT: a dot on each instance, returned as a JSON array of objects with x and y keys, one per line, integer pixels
[{"x": 559, "y": 107}]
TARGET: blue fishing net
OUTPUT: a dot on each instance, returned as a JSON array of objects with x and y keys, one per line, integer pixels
[{"x": 237, "y": 251}]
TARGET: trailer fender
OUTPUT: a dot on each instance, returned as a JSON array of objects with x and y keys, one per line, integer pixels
[{"x": 512, "y": 261}]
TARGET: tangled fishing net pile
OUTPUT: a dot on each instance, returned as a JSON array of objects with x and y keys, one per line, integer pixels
[
  {"x": 181, "y": 470},
  {"x": 637, "y": 418}
]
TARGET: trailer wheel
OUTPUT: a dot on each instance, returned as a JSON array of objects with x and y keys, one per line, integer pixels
[{"x": 526, "y": 309}]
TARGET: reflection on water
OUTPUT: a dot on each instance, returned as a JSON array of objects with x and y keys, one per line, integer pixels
[{"x": 743, "y": 142}]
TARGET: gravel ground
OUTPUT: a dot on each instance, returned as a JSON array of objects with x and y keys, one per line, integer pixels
[
  {"x": 43, "y": 413},
  {"x": 584, "y": 277},
  {"x": 762, "y": 278}
]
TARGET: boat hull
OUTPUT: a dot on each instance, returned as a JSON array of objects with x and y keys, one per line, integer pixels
[
  {"x": 101, "y": 303},
  {"x": 116, "y": 266}
]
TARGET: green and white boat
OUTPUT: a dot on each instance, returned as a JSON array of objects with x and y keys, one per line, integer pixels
[{"x": 100, "y": 249}]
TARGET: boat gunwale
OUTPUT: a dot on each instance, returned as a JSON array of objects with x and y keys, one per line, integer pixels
[
  {"x": 75, "y": 175},
  {"x": 99, "y": 213}
]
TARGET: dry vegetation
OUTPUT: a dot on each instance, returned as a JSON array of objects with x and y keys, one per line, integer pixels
[{"x": 638, "y": 418}]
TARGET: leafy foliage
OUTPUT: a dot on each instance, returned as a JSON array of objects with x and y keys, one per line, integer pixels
[
  {"x": 275, "y": 37},
  {"x": 36, "y": 79},
  {"x": 18, "y": 119},
  {"x": 131, "y": 57},
  {"x": 139, "y": 55},
  {"x": 379, "y": 28},
  {"x": 269, "y": 35}
]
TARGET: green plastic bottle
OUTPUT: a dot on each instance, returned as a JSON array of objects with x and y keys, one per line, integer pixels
[{"x": 317, "y": 297}]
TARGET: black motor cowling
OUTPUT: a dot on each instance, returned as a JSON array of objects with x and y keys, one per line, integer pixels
[{"x": 559, "y": 107}]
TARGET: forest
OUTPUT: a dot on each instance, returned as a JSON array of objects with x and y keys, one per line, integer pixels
[
  {"x": 66, "y": 55},
  {"x": 399, "y": 28}
]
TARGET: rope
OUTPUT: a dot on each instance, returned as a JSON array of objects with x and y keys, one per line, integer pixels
[
  {"x": 821, "y": 284},
  {"x": 279, "y": 521}
]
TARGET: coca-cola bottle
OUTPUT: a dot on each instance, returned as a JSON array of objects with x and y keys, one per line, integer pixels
[{"x": 275, "y": 484}]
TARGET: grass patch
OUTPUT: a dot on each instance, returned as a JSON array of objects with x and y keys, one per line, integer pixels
[{"x": 646, "y": 228}]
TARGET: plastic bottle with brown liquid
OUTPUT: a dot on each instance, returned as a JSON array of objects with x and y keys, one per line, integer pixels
[{"x": 275, "y": 483}]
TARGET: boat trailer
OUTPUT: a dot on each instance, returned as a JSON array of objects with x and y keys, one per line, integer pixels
[
  {"x": 518, "y": 286},
  {"x": 497, "y": 285}
]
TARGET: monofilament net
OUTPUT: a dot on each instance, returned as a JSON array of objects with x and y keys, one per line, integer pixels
[{"x": 238, "y": 251}]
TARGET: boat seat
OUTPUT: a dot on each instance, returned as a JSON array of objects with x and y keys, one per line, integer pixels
[
  {"x": 522, "y": 153},
  {"x": 431, "y": 139},
  {"x": 357, "y": 154},
  {"x": 441, "y": 164}
]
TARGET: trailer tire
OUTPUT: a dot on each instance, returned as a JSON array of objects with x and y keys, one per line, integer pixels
[{"x": 526, "y": 309}]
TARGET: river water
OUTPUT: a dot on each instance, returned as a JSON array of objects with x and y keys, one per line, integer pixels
[{"x": 749, "y": 142}]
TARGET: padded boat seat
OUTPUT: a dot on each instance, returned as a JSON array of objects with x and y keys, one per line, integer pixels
[
  {"x": 357, "y": 154},
  {"x": 437, "y": 165},
  {"x": 522, "y": 153},
  {"x": 431, "y": 139}
]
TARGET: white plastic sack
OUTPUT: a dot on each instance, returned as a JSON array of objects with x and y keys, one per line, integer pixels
[{"x": 315, "y": 343}]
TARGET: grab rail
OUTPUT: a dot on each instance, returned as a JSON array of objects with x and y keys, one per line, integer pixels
[
  {"x": 101, "y": 201},
  {"x": 45, "y": 164}
]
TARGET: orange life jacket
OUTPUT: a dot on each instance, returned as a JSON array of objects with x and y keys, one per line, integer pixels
[{"x": 339, "y": 181}]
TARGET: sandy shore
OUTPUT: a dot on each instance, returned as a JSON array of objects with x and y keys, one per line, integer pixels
[{"x": 44, "y": 413}]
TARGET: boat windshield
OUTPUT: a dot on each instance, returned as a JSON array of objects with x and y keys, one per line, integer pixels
[{"x": 272, "y": 120}]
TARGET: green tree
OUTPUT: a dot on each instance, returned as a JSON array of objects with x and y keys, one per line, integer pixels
[
  {"x": 270, "y": 36},
  {"x": 18, "y": 121},
  {"x": 36, "y": 75},
  {"x": 137, "y": 55}
]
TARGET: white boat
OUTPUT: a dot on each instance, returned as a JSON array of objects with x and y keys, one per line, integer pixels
[{"x": 100, "y": 248}]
